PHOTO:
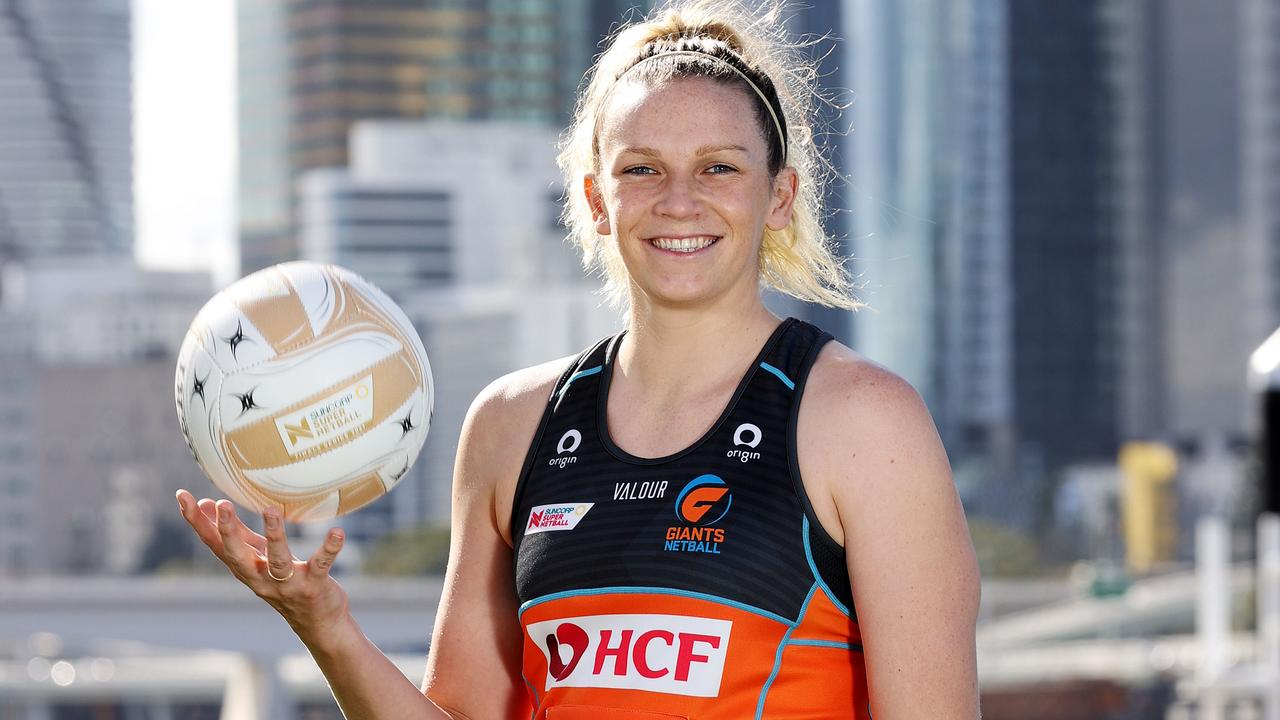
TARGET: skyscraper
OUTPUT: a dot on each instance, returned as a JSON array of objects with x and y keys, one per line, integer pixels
[
  {"x": 309, "y": 69},
  {"x": 1008, "y": 215},
  {"x": 897, "y": 67},
  {"x": 1260, "y": 171},
  {"x": 65, "y": 129},
  {"x": 927, "y": 192},
  {"x": 930, "y": 199},
  {"x": 1065, "y": 243},
  {"x": 974, "y": 407},
  {"x": 1217, "y": 310},
  {"x": 1135, "y": 34}
]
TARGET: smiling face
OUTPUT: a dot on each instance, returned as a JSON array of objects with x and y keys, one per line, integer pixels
[{"x": 684, "y": 189}]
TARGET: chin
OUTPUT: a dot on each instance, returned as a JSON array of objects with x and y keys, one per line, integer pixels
[{"x": 680, "y": 296}]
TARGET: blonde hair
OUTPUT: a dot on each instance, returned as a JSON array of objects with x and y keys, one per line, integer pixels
[{"x": 799, "y": 259}]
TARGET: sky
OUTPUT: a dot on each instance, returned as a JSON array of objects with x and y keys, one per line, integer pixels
[{"x": 184, "y": 134}]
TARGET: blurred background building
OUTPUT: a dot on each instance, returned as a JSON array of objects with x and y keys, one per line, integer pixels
[
  {"x": 309, "y": 70},
  {"x": 1062, "y": 214},
  {"x": 65, "y": 142},
  {"x": 92, "y": 461}
]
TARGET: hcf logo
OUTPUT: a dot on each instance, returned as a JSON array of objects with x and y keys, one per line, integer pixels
[{"x": 660, "y": 653}]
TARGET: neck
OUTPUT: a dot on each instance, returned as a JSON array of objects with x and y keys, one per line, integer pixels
[{"x": 668, "y": 350}]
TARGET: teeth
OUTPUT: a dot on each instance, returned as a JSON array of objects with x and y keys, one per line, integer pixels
[{"x": 686, "y": 245}]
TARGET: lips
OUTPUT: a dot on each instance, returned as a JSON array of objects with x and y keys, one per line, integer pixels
[{"x": 686, "y": 245}]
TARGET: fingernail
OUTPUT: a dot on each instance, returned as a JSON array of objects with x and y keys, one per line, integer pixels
[
  {"x": 182, "y": 506},
  {"x": 224, "y": 512}
]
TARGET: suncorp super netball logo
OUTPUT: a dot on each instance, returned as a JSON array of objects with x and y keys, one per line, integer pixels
[
  {"x": 328, "y": 420},
  {"x": 675, "y": 654},
  {"x": 703, "y": 502},
  {"x": 558, "y": 516}
]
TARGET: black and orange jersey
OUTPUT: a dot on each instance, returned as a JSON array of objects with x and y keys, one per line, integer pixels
[{"x": 698, "y": 585}]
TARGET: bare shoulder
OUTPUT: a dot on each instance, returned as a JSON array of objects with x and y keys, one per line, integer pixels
[
  {"x": 880, "y": 483},
  {"x": 865, "y": 437},
  {"x": 853, "y": 402},
  {"x": 497, "y": 432},
  {"x": 476, "y": 620},
  {"x": 507, "y": 403}
]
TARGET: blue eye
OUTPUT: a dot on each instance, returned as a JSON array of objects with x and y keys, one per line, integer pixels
[
  {"x": 721, "y": 169},
  {"x": 639, "y": 170}
]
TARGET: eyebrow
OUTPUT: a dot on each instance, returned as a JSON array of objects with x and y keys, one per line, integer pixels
[{"x": 703, "y": 150}]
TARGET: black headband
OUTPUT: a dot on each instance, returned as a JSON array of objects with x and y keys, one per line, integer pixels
[{"x": 732, "y": 61}]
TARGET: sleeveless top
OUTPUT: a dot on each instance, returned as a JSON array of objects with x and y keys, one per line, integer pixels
[{"x": 698, "y": 585}]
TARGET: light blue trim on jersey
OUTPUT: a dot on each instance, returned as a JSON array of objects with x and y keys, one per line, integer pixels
[
  {"x": 782, "y": 644},
  {"x": 579, "y": 375},
  {"x": 813, "y": 567},
  {"x": 624, "y": 589},
  {"x": 827, "y": 644},
  {"x": 536, "y": 702},
  {"x": 781, "y": 375}
]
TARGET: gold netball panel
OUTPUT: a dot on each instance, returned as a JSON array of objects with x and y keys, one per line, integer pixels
[
  {"x": 283, "y": 322},
  {"x": 281, "y": 319}
]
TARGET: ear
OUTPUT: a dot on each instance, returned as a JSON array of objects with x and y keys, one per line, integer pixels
[
  {"x": 783, "y": 199},
  {"x": 598, "y": 212}
]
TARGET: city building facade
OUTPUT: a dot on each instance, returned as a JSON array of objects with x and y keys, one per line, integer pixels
[
  {"x": 310, "y": 69},
  {"x": 87, "y": 418},
  {"x": 66, "y": 165}
]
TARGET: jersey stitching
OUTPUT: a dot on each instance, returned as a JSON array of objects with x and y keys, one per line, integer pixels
[
  {"x": 782, "y": 644},
  {"x": 826, "y": 644},
  {"x": 793, "y": 462},
  {"x": 624, "y": 589},
  {"x": 536, "y": 703},
  {"x": 813, "y": 567}
]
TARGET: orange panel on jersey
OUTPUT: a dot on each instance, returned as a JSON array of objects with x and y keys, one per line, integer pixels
[
  {"x": 824, "y": 621},
  {"x": 810, "y": 676},
  {"x": 577, "y": 712}
]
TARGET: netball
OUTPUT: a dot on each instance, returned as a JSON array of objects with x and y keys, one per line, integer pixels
[{"x": 303, "y": 387}]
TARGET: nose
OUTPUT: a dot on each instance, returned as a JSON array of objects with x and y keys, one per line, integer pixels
[{"x": 679, "y": 197}]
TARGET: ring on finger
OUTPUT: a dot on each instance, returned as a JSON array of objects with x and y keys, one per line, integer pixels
[{"x": 280, "y": 579}]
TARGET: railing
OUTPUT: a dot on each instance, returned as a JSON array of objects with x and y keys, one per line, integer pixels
[{"x": 1224, "y": 686}]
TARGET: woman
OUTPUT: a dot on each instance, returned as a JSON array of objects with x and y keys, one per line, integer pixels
[{"x": 715, "y": 514}]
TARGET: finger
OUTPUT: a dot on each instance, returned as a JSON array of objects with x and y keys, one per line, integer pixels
[
  {"x": 322, "y": 560},
  {"x": 210, "y": 510},
  {"x": 279, "y": 557},
  {"x": 253, "y": 539},
  {"x": 204, "y": 523},
  {"x": 234, "y": 551}
]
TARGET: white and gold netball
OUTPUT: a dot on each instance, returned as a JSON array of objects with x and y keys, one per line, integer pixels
[{"x": 303, "y": 387}]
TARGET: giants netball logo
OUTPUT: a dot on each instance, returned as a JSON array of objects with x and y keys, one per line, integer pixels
[
  {"x": 703, "y": 502},
  {"x": 748, "y": 435},
  {"x": 569, "y": 442},
  {"x": 677, "y": 654}
]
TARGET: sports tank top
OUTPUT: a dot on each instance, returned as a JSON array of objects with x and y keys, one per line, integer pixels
[{"x": 698, "y": 585}]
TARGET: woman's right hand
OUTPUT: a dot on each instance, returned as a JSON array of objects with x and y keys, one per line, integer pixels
[{"x": 304, "y": 593}]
